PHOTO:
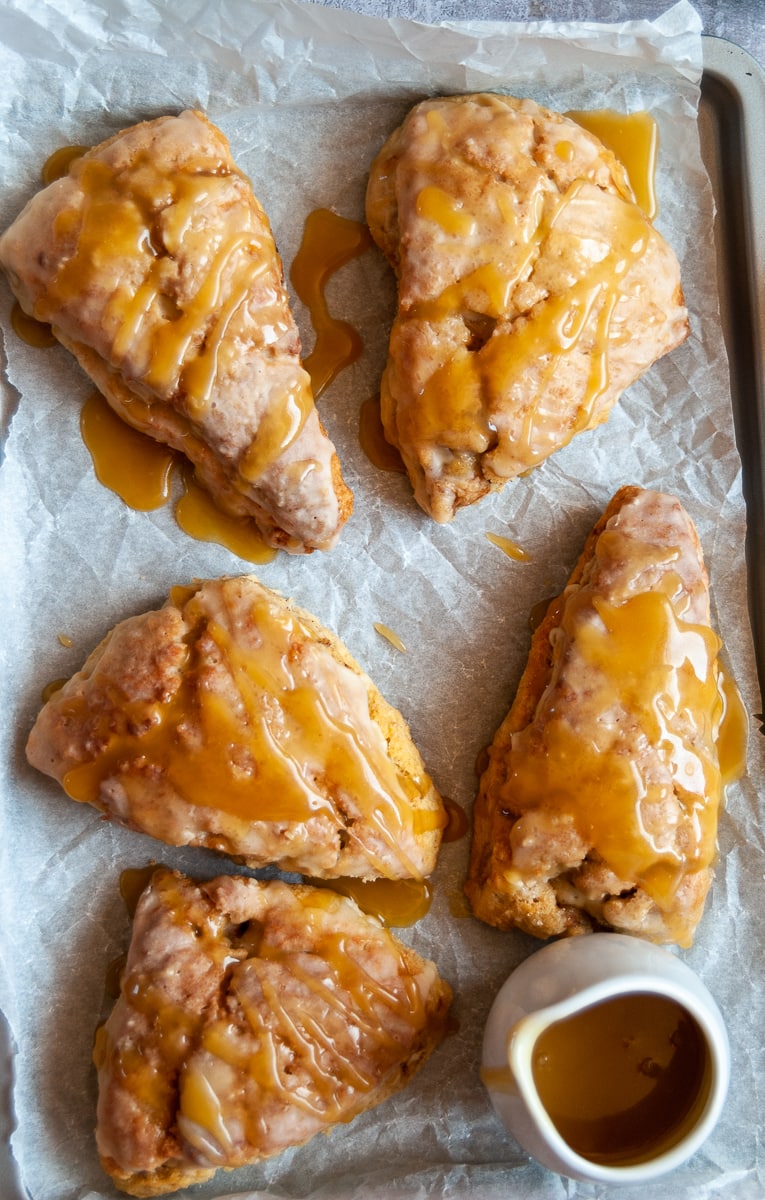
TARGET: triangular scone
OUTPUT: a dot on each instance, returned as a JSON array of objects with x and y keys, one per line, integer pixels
[
  {"x": 155, "y": 265},
  {"x": 252, "y": 1015},
  {"x": 599, "y": 804},
  {"x": 531, "y": 290},
  {"x": 232, "y": 719}
]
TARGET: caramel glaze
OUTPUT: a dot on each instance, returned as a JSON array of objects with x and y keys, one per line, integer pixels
[
  {"x": 329, "y": 242},
  {"x": 141, "y": 471},
  {"x": 199, "y": 517},
  {"x": 634, "y": 139},
  {"x": 396, "y": 902},
  {"x": 133, "y": 882},
  {"x": 57, "y": 165},
  {"x": 372, "y": 438},
  {"x": 51, "y": 688},
  {"x": 508, "y": 547},
  {"x": 129, "y": 463},
  {"x": 457, "y": 823},
  {"x": 34, "y": 333},
  {"x": 390, "y": 636}
]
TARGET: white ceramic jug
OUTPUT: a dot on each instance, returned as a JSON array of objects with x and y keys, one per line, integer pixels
[{"x": 575, "y": 987}]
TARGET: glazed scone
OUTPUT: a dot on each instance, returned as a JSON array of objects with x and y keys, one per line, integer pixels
[
  {"x": 532, "y": 290},
  {"x": 252, "y": 1015},
  {"x": 231, "y": 719},
  {"x": 599, "y": 803},
  {"x": 155, "y": 265}
]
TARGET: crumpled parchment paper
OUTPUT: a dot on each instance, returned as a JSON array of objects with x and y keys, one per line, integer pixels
[{"x": 307, "y": 94}]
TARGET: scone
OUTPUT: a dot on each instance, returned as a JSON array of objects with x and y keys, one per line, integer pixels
[
  {"x": 599, "y": 804},
  {"x": 155, "y": 265},
  {"x": 231, "y": 719},
  {"x": 252, "y": 1015},
  {"x": 532, "y": 290}
]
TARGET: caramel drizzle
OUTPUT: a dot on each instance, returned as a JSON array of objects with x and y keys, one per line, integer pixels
[
  {"x": 461, "y": 403},
  {"x": 259, "y": 1040},
  {"x": 329, "y": 243},
  {"x": 288, "y": 1020},
  {"x": 146, "y": 218},
  {"x": 651, "y": 682}
]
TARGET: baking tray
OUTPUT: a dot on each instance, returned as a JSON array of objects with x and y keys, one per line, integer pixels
[{"x": 732, "y": 133}]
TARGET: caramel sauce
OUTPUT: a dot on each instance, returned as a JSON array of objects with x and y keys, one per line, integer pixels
[
  {"x": 734, "y": 732},
  {"x": 511, "y": 549},
  {"x": 498, "y": 1079},
  {"x": 128, "y": 462},
  {"x": 58, "y": 163},
  {"x": 390, "y": 636},
  {"x": 51, "y": 688},
  {"x": 372, "y": 439},
  {"x": 34, "y": 333},
  {"x": 113, "y": 977},
  {"x": 329, "y": 242},
  {"x": 457, "y": 823},
  {"x": 277, "y": 429},
  {"x": 481, "y": 761},
  {"x": 293, "y": 742},
  {"x": 434, "y": 204},
  {"x": 624, "y": 1080},
  {"x": 459, "y": 908},
  {"x": 133, "y": 882},
  {"x": 140, "y": 471},
  {"x": 538, "y": 612},
  {"x": 396, "y": 902},
  {"x": 611, "y": 802},
  {"x": 198, "y": 515},
  {"x": 634, "y": 139}
]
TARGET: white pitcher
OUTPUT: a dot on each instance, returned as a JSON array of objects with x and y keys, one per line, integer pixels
[{"x": 585, "y": 975}]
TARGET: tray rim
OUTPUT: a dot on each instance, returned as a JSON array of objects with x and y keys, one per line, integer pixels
[{"x": 733, "y": 95}]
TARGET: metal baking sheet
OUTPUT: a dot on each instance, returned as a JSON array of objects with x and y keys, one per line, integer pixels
[{"x": 732, "y": 129}]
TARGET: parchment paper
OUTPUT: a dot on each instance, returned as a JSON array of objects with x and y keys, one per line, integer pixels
[{"x": 307, "y": 95}]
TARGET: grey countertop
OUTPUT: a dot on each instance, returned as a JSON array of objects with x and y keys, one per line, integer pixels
[{"x": 738, "y": 21}]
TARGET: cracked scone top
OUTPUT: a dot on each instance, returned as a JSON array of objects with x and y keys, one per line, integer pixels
[
  {"x": 600, "y": 801},
  {"x": 252, "y": 1015},
  {"x": 155, "y": 265},
  {"x": 231, "y": 719},
  {"x": 532, "y": 290}
]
